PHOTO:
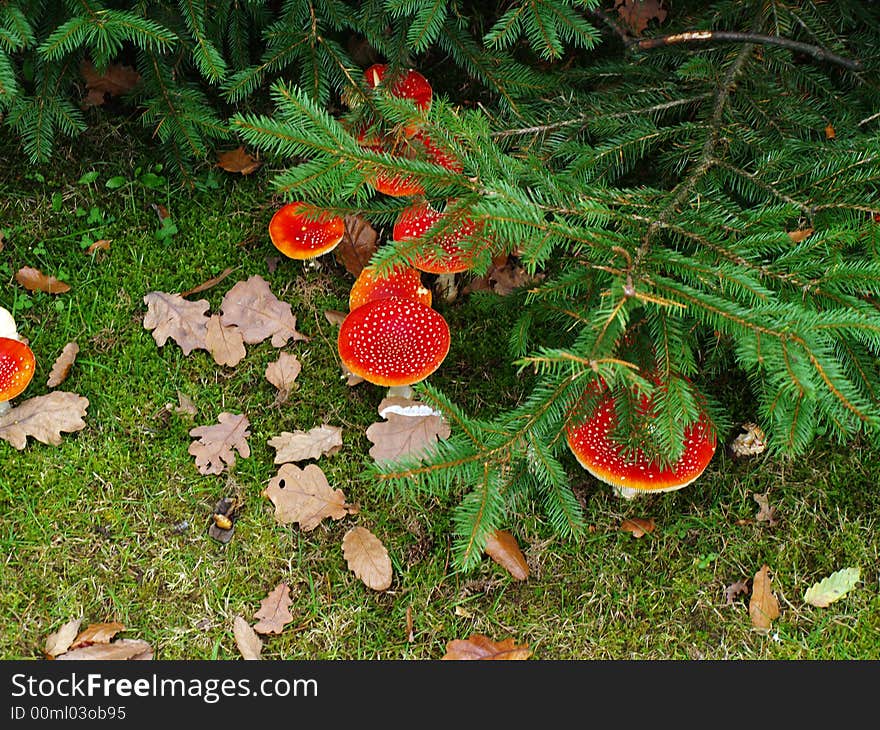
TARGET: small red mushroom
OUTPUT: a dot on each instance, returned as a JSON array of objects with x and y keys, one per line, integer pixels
[
  {"x": 17, "y": 364},
  {"x": 408, "y": 85},
  {"x": 393, "y": 341},
  {"x": 631, "y": 474},
  {"x": 402, "y": 281},
  {"x": 301, "y": 231}
]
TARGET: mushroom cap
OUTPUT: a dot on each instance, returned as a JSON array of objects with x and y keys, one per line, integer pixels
[
  {"x": 415, "y": 221},
  {"x": 409, "y": 85},
  {"x": 393, "y": 341},
  {"x": 402, "y": 281},
  {"x": 299, "y": 234},
  {"x": 17, "y": 363},
  {"x": 636, "y": 472},
  {"x": 7, "y": 324},
  {"x": 389, "y": 184}
]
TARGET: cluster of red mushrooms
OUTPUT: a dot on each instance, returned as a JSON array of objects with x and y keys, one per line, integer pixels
[{"x": 392, "y": 337}]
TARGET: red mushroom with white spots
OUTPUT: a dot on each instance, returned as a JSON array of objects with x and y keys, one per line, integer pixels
[
  {"x": 393, "y": 342},
  {"x": 631, "y": 474},
  {"x": 413, "y": 223},
  {"x": 17, "y": 364},
  {"x": 410, "y": 84},
  {"x": 301, "y": 231},
  {"x": 401, "y": 281}
]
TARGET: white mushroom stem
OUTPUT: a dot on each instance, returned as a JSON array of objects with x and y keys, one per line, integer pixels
[
  {"x": 446, "y": 287},
  {"x": 400, "y": 391},
  {"x": 7, "y": 325},
  {"x": 5, "y": 407}
]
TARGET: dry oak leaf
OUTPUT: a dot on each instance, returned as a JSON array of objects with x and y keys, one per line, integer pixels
[
  {"x": 273, "y": 614},
  {"x": 334, "y": 316},
  {"x": 282, "y": 373},
  {"x": 44, "y": 417},
  {"x": 249, "y": 644},
  {"x": 357, "y": 246},
  {"x": 766, "y": 513},
  {"x": 215, "y": 444},
  {"x": 478, "y": 646},
  {"x": 238, "y": 160},
  {"x": 258, "y": 313},
  {"x": 503, "y": 548},
  {"x": 638, "y": 13},
  {"x": 305, "y": 496},
  {"x": 35, "y": 280},
  {"x": 224, "y": 342},
  {"x": 97, "y": 634},
  {"x": 59, "y": 641},
  {"x": 402, "y": 435},
  {"x": 832, "y": 588},
  {"x": 734, "y": 589},
  {"x": 638, "y": 526},
  {"x": 61, "y": 367},
  {"x": 319, "y": 441},
  {"x": 763, "y": 605},
  {"x": 799, "y": 235},
  {"x": 170, "y": 315},
  {"x": 134, "y": 649},
  {"x": 367, "y": 558},
  {"x": 116, "y": 80}
]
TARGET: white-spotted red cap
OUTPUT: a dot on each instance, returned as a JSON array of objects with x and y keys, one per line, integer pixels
[
  {"x": 410, "y": 84},
  {"x": 301, "y": 231},
  {"x": 402, "y": 281},
  {"x": 415, "y": 221},
  {"x": 393, "y": 341},
  {"x": 635, "y": 472},
  {"x": 17, "y": 363}
]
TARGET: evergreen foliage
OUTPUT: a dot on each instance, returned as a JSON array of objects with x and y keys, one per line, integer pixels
[{"x": 696, "y": 207}]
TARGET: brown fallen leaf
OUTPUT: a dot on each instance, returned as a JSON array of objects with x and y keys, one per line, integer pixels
[
  {"x": 638, "y": 13},
  {"x": 350, "y": 378},
  {"x": 829, "y": 131},
  {"x": 35, "y": 280},
  {"x": 273, "y": 613},
  {"x": 502, "y": 278},
  {"x": 334, "y": 316},
  {"x": 357, "y": 245},
  {"x": 367, "y": 558},
  {"x": 97, "y": 634},
  {"x": 406, "y": 436},
  {"x": 478, "y": 646},
  {"x": 503, "y": 548},
  {"x": 170, "y": 315},
  {"x": 238, "y": 160},
  {"x": 214, "y": 448},
  {"x": 246, "y": 639},
  {"x": 59, "y": 641},
  {"x": 763, "y": 605},
  {"x": 282, "y": 373},
  {"x": 319, "y": 441},
  {"x": 210, "y": 283},
  {"x": 132, "y": 649},
  {"x": 638, "y": 526},
  {"x": 61, "y": 367},
  {"x": 766, "y": 513},
  {"x": 305, "y": 496},
  {"x": 186, "y": 406},
  {"x": 44, "y": 417},
  {"x": 734, "y": 589},
  {"x": 224, "y": 342},
  {"x": 410, "y": 634},
  {"x": 750, "y": 442},
  {"x": 258, "y": 313},
  {"x": 116, "y": 80},
  {"x": 101, "y": 245},
  {"x": 800, "y": 235}
]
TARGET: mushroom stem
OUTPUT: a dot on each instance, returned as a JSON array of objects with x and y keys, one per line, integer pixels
[
  {"x": 446, "y": 287},
  {"x": 400, "y": 391},
  {"x": 5, "y": 407},
  {"x": 625, "y": 492}
]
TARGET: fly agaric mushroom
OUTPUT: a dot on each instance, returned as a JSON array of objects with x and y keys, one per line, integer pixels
[
  {"x": 7, "y": 325},
  {"x": 418, "y": 219},
  {"x": 17, "y": 365},
  {"x": 403, "y": 281},
  {"x": 409, "y": 85},
  {"x": 393, "y": 342},
  {"x": 300, "y": 231},
  {"x": 631, "y": 474}
]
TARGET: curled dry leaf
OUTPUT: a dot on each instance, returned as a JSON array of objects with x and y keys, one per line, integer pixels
[
  {"x": 258, "y": 313},
  {"x": 61, "y": 367},
  {"x": 60, "y": 641},
  {"x": 638, "y": 526},
  {"x": 246, "y": 639},
  {"x": 282, "y": 373},
  {"x": 44, "y": 417},
  {"x": 305, "y": 496},
  {"x": 766, "y": 513},
  {"x": 214, "y": 448},
  {"x": 224, "y": 342},
  {"x": 357, "y": 245},
  {"x": 97, "y": 634},
  {"x": 832, "y": 588},
  {"x": 238, "y": 160},
  {"x": 799, "y": 235},
  {"x": 406, "y": 436},
  {"x": 734, "y": 589},
  {"x": 210, "y": 283},
  {"x": 503, "y": 548},
  {"x": 334, "y": 316},
  {"x": 367, "y": 558},
  {"x": 35, "y": 280},
  {"x": 170, "y": 315},
  {"x": 478, "y": 646},
  {"x": 638, "y": 13},
  {"x": 273, "y": 613},
  {"x": 763, "y": 605},
  {"x": 319, "y": 441},
  {"x": 100, "y": 245},
  {"x": 116, "y": 80},
  {"x": 750, "y": 442},
  {"x": 132, "y": 649}
]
